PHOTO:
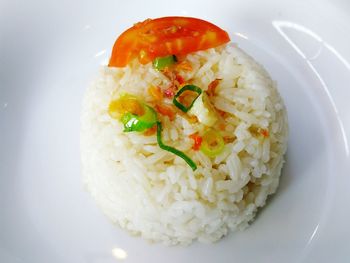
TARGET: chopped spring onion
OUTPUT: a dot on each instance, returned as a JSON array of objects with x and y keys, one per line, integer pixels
[
  {"x": 182, "y": 90},
  {"x": 133, "y": 113},
  {"x": 187, "y": 159},
  {"x": 133, "y": 122},
  {"x": 161, "y": 63},
  {"x": 212, "y": 143}
]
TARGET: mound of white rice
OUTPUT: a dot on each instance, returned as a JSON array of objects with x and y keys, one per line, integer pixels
[{"x": 155, "y": 194}]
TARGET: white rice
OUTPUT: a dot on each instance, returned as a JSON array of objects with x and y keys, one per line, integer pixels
[{"x": 155, "y": 194}]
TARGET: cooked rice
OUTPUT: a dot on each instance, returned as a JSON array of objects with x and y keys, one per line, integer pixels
[{"x": 155, "y": 194}]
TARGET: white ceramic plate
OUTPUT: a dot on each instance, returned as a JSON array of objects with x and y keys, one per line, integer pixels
[{"x": 49, "y": 52}]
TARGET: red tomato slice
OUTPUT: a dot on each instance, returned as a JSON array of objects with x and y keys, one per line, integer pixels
[{"x": 165, "y": 36}]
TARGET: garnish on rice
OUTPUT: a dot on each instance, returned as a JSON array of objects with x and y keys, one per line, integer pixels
[
  {"x": 160, "y": 63},
  {"x": 165, "y": 36},
  {"x": 182, "y": 155},
  {"x": 212, "y": 143},
  {"x": 137, "y": 116},
  {"x": 204, "y": 110},
  {"x": 197, "y": 141},
  {"x": 165, "y": 110},
  {"x": 134, "y": 114},
  {"x": 212, "y": 87},
  {"x": 156, "y": 93},
  {"x": 186, "y": 97},
  {"x": 165, "y": 42}
]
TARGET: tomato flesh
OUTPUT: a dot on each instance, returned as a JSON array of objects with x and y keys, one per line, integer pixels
[{"x": 165, "y": 36}]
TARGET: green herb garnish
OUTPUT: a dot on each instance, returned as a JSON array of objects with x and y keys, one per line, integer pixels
[
  {"x": 182, "y": 90},
  {"x": 133, "y": 122},
  {"x": 187, "y": 159},
  {"x": 212, "y": 143},
  {"x": 161, "y": 63}
]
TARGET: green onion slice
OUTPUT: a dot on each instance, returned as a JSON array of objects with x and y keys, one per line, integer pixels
[
  {"x": 212, "y": 143},
  {"x": 133, "y": 122},
  {"x": 161, "y": 63},
  {"x": 187, "y": 159},
  {"x": 182, "y": 90}
]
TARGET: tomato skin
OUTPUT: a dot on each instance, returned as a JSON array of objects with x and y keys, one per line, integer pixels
[{"x": 165, "y": 36}]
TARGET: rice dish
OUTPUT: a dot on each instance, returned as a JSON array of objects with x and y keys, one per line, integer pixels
[{"x": 154, "y": 193}]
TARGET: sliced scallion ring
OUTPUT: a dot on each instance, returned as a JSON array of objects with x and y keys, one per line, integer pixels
[
  {"x": 212, "y": 144},
  {"x": 161, "y": 63},
  {"x": 182, "y": 90},
  {"x": 141, "y": 123}
]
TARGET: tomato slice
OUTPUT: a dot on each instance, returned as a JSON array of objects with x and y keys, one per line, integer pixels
[{"x": 165, "y": 36}]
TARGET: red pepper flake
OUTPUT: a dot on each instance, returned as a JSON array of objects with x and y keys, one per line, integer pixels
[
  {"x": 264, "y": 132},
  {"x": 179, "y": 79},
  {"x": 212, "y": 87},
  {"x": 166, "y": 111},
  {"x": 197, "y": 141}
]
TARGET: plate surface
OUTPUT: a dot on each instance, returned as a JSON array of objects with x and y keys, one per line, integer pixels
[{"x": 49, "y": 52}]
